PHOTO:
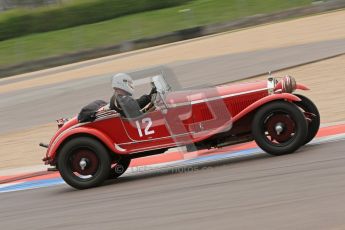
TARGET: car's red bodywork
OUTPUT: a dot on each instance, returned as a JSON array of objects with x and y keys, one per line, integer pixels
[{"x": 189, "y": 117}]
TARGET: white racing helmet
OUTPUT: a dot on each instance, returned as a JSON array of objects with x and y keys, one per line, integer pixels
[{"x": 123, "y": 81}]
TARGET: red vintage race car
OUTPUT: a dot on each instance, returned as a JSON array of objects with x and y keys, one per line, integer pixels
[{"x": 88, "y": 153}]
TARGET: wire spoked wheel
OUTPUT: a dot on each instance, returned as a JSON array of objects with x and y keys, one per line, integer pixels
[
  {"x": 279, "y": 128},
  {"x": 84, "y": 162}
]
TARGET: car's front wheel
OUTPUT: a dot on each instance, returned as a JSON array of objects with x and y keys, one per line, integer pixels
[
  {"x": 279, "y": 128},
  {"x": 84, "y": 162}
]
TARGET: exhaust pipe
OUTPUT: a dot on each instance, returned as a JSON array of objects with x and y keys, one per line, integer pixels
[{"x": 43, "y": 145}]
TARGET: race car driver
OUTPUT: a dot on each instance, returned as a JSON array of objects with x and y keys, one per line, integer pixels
[{"x": 122, "y": 100}]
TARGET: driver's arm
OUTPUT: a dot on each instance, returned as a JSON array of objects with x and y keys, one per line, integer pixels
[
  {"x": 143, "y": 100},
  {"x": 146, "y": 99}
]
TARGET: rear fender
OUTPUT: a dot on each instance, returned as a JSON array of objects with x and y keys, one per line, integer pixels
[
  {"x": 265, "y": 100},
  {"x": 79, "y": 131}
]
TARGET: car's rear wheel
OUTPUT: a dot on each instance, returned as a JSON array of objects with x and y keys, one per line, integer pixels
[
  {"x": 312, "y": 114},
  {"x": 279, "y": 128},
  {"x": 119, "y": 167},
  {"x": 84, "y": 163}
]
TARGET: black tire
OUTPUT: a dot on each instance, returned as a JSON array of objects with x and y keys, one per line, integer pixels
[
  {"x": 87, "y": 150},
  {"x": 119, "y": 168},
  {"x": 294, "y": 121},
  {"x": 308, "y": 106}
]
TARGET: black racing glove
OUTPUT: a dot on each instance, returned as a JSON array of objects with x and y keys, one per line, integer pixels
[{"x": 153, "y": 91}]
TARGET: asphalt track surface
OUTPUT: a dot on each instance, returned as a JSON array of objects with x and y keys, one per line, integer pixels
[
  {"x": 40, "y": 105},
  {"x": 305, "y": 190}
]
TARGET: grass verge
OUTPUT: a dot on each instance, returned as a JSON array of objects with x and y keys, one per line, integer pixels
[
  {"x": 24, "y": 21},
  {"x": 195, "y": 13}
]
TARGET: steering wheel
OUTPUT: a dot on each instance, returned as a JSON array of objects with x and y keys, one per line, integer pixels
[{"x": 150, "y": 106}]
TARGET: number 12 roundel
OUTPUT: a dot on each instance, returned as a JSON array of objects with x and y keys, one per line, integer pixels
[{"x": 148, "y": 124}]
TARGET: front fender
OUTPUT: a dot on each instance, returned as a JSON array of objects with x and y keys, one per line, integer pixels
[
  {"x": 262, "y": 101},
  {"x": 66, "y": 135},
  {"x": 301, "y": 87}
]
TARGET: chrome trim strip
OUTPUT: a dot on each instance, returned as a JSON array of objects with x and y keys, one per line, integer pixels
[
  {"x": 155, "y": 139},
  {"x": 117, "y": 147},
  {"x": 106, "y": 114},
  {"x": 104, "y": 117}
]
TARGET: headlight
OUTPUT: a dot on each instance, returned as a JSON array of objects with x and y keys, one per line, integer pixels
[{"x": 288, "y": 84}]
